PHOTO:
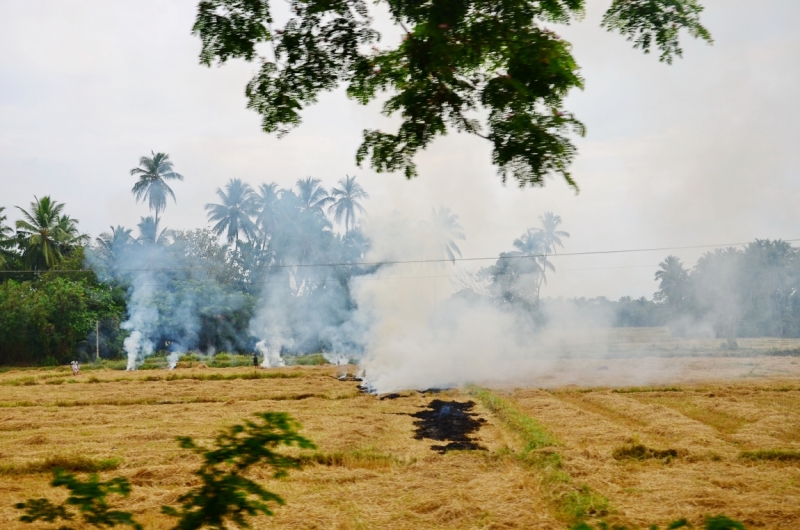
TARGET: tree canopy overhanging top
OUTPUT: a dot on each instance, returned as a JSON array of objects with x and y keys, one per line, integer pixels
[{"x": 456, "y": 57}]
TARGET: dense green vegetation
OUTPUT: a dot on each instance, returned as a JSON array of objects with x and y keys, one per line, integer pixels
[
  {"x": 52, "y": 303},
  {"x": 49, "y": 315},
  {"x": 729, "y": 293},
  {"x": 748, "y": 292},
  {"x": 285, "y": 267},
  {"x": 57, "y": 289}
]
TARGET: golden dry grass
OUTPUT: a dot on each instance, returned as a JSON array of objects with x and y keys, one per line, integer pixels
[{"x": 370, "y": 472}]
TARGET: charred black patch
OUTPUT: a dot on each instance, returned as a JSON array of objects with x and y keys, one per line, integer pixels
[{"x": 448, "y": 421}]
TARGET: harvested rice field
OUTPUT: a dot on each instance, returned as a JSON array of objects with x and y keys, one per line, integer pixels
[{"x": 538, "y": 456}]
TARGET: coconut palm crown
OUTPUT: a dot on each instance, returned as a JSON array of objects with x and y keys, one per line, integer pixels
[
  {"x": 446, "y": 228},
  {"x": 266, "y": 200},
  {"x": 233, "y": 215},
  {"x": 113, "y": 242},
  {"x": 46, "y": 233},
  {"x": 551, "y": 234},
  {"x": 533, "y": 243},
  {"x": 153, "y": 173},
  {"x": 345, "y": 202},
  {"x": 149, "y": 233},
  {"x": 312, "y": 194},
  {"x": 5, "y": 230},
  {"x": 6, "y": 239},
  {"x": 673, "y": 281}
]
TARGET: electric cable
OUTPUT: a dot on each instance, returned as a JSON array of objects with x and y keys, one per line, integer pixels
[{"x": 419, "y": 261}]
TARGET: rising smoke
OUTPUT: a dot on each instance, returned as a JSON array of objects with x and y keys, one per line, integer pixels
[
  {"x": 485, "y": 328},
  {"x": 174, "y": 291},
  {"x": 303, "y": 288},
  {"x": 294, "y": 285}
]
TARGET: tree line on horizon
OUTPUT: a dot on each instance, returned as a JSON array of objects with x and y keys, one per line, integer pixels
[
  {"x": 268, "y": 236},
  {"x": 749, "y": 292},
  {"x": 729, "y": 293},
  {"x": 259, "y": 239}
]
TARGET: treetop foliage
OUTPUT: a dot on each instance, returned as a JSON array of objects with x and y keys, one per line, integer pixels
[
  {"x": 153, "y": 172},
  {"x": 457, "y": 58},
  {"x": 645, "y": 21},
  {"x": 750, "y": 292}
]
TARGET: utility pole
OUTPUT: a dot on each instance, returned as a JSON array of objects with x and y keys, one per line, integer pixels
[{"x": 97, "y": 339}]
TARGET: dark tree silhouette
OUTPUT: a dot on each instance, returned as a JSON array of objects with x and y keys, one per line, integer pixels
[
  {"x": 153, "y": 173},
  {"x": 233, "y": 215},
  {"x": 346, "y": 205},
  {"x": 458, "y": 61}
]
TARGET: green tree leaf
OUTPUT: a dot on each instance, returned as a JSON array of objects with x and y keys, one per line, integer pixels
[{"x": 491, "y": 68}]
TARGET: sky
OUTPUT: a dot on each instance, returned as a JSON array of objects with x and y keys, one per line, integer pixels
[{"x": 702, "y": 152}]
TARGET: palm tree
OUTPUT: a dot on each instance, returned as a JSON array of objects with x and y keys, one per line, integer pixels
[
  {"x": 117, "y": 238},
  {"x": 674, "y": 283},
  {"x": 69, "y": 226},
  {"x": 233, "y": 215},
  {"x": 312, "y": 194},
  {"x": 112, "y": 243},
  {"x": 346, "y": 202},
  {"x": 6, "y": 240},
  {"x": 5, "y": 230},
  {"x": 266, "y": 200},
  {"x": 552, "y": 236},
  {"x": 111, "y": 246},
  {"x": 550, "y": 239},
  {"x": 153, "y": 173},
  {"x": 149, "y": 234},
  {"x": 446, "y": 227},
  {"x": 533, "y": 243},
  {"x": 46, "y": 233}
]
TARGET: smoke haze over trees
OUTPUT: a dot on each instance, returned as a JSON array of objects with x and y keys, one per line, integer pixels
[{"x": 289, "y": 271}]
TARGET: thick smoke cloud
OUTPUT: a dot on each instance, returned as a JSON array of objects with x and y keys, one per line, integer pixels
[
  {"x": 174, "y": 290},
  {"x": 387, "y": 293},
  {"x": 488, "y": 330}
]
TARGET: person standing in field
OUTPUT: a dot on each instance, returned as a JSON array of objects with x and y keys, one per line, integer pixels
[
  {"x": 255, "y": 360},
  {"x": 76, "y": 369}
]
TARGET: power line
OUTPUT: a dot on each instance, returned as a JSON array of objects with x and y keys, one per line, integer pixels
[
  {"x": 419, "y": 261},
  {"x": 375, "y": 279}
]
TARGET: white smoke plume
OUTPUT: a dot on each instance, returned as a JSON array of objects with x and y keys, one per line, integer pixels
[
  {"x": 142, "y": 322},
  {"x": 423, "y": 335},
  {"x": 171, "y": 290},
  {"x": 272, "y": 355}
]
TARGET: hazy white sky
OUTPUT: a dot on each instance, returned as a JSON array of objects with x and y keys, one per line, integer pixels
[{"x": 701, "y": 152}]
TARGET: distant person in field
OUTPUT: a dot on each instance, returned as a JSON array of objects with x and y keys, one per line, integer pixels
[
  {"x": 255, "y": 360},
  {"x": 76, "y": 369}
]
